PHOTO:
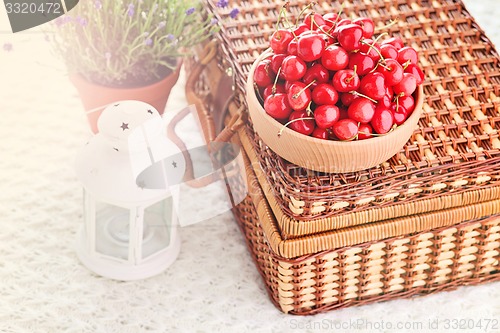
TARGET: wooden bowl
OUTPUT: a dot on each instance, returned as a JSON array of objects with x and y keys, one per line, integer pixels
[{"x": 326, "y": 155}]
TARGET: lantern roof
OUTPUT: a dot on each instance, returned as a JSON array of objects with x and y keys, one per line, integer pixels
[{"x": 131, "y": 138}]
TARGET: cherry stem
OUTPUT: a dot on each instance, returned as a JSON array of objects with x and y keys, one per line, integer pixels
[
  {"x": 349, "y": 79},
  {"x": 391, "y": 23},
  {"x": 355, "y": 93},
  {"x": 326, "y": 33},
  {"x": 379, "y": 36},
  {"x": 283, "y": 15},
  {"x": 309, "y": 6},
  {"x": 338, "y": 14},
  {"x": 273, "y": 90},
  {"x": 303, "y": 89},
  {"x": 384, "y": 66},
  {"x": 292, "y": 121},
  {"x": 309, "y": 110},
  {"x": 406, "y": 64},
  {"x": 372, "y": 46}
]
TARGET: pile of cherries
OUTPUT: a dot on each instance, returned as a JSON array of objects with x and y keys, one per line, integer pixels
[{"x": 331, "y": 79}]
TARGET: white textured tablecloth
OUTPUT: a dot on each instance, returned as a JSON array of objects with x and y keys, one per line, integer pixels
[{"x": 212, "y": 287}]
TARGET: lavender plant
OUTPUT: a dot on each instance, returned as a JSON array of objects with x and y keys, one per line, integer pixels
[{"x": 131, "y": 43}]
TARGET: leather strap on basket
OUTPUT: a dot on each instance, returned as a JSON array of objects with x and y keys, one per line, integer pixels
[{"x": 215, "y": 141}]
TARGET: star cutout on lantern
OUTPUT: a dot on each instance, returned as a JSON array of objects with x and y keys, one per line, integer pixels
[
  {"x": 150, "y": 111},
  {"x": 174, "y": 164},
  {"x": 124, "y": 126}
]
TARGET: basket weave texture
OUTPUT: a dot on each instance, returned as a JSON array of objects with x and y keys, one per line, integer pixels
[
  {"x": 398, "y": 267},
  {"x": 454, "y": 152},
  {"x": 425, "y": 221}
]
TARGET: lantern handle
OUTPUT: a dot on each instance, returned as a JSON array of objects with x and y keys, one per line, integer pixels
[{"x": 215, "y": 140}]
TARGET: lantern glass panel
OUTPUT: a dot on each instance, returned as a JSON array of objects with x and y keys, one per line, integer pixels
[
  {"x": 157, "y": 227},
  {"x": 112, "y": 230}
]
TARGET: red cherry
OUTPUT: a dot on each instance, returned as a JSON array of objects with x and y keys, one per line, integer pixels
[
  {"x": 316, "y": 73},
  {"x": 326, "y": 115},
  {"x": 324, "y": 29},
  {"x": 299, "y": 96},
  {"x": 346, "y": 80},
  {"x": 361, "y": 110},
  {"x": 314, "y": 20},
  {"x": 373, "y": 85},
  {"x": 341, "y": 23},
  {"x": 293, "y": 68},
  {"x": 400, "y": 115},
  {"x": 330, "y": 19},
  {"x": 365, "y": 132},
  {"x": 343, "y": 113},
  {"x": 301, "y": 28},
  {"x": 292, "y": 48},
  {"x": 383, "y": 120},
  {"x": 392, "y": 71},
  {"x": 335, "y": 58},
  {"x": 349, "y": 36},
  {"x": 276, "y": 62},
  {"x": 407, "y": 86},
  {"x": 310, "y": 47},
  {"x": 304, "y": 126},
  {"x": 348, "y": 98},
  {"x": 388, "y": 51},
  {"x": 385, "y": 101},
  {"x": 407, "y": 102},
  {"x": 325, "y": 94},
  {"x": 263, "y": 75},
  {"x": 394, "y": 41},
  {"x": 367, "y": 25},
  {"x": 417, "y": 72},
  {"x": 345, "y": 129},
  {"x": 279, "y": 88},
  {"x": 320, "y": 133},
  {"x": 363, "y": 63},
  {"x": 280, "y": 40},
  {"x": 407, "y": 54},
  {"x": 370, "y": 48},
  {"x": 277, "y": 106}
]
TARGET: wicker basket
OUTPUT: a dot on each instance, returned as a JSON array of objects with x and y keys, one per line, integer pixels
[
  {"x": 397, "y": 267},
  {"x": 455, "y": 149},
  {"x": 423, "y": 221}
]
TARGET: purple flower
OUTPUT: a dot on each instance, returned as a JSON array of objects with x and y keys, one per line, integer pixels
[
  {"x": 222, "y": 3},
  {"x": 170, "y": 37},
  {"x": 59, "y": 21},
  {"x": 7, "y": 47},
  {"x": 81, "y": 21},
  {"x": 190, "y": 11},
  {"x": 98, "y": 4},
  {"x": 214, "y": 21},
  {"x": 234, "y": 12},
  {"x": 131, "y": 10},
  {"x": 162, "y": 24},
  {"x": 148, "y": 42}
]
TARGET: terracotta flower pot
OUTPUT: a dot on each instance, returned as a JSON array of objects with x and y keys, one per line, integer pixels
[{"x": 96, "y": 97}]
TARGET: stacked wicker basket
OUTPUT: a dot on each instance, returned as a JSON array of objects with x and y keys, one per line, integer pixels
[{"x": 424, "y": 221}]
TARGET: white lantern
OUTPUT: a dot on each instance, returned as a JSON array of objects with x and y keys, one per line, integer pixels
[{"x": 130, "y": 230}]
